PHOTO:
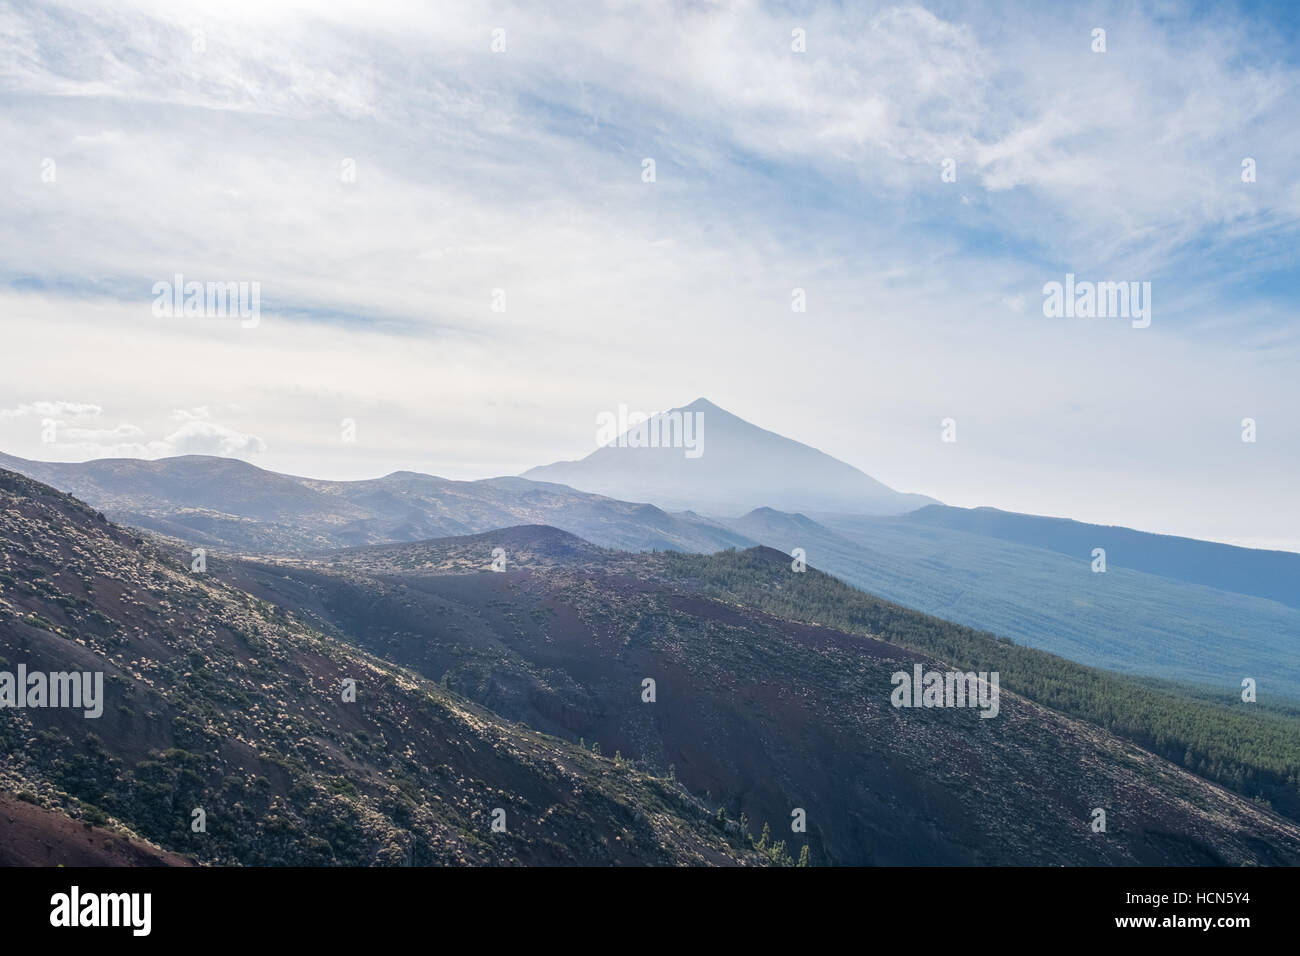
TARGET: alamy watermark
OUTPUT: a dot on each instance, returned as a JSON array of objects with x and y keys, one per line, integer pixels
[
  {"x": 1101, "y": 300},
  {"x": 74, "y": 908},
  {"x": 675, "y": 429},
  {"x": 952, "y": 689},
  {"x": 212, "y": 300},
  {"x": 76, "y": 689}
]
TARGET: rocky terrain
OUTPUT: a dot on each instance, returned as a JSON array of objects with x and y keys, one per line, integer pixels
[
  {"x": 766, "y": 714},
  {"x": 221, "y": 703}
]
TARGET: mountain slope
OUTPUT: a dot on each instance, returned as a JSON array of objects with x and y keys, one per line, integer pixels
[
  {"x": 34, "y": 836},
  {"x": 764, "y": 714},
  {"x": 1124, "y": 620},
  {"x": 739, "y": 467},
  {"x": 216, "y": 701},
  {"x": 1274, "y": 575}
]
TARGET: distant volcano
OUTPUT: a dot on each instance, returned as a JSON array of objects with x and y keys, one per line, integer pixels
[{"x": 703, "y": 458}]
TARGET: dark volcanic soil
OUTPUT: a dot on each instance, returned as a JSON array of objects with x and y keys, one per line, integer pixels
[{"x": 33, "y": 836}]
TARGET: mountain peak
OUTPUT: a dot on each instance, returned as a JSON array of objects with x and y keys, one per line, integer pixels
[
  {"x": 703, "y": 405},
  {"x": 721, "y": 464}
]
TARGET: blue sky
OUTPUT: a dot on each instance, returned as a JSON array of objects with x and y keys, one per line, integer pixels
[{"x": 521, "y": 170}]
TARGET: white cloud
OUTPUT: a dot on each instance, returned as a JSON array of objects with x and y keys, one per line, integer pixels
[
  {"x": 63, "y": 434},
  {"x": 209, "y": 438}
]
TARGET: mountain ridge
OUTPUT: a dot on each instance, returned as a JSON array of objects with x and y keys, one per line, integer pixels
[{"x": 221, "y": 502}]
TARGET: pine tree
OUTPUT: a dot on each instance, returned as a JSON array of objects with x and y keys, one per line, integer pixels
[
  {"x": 781, "y": 856},
  {"x": 803, "y": 856}
]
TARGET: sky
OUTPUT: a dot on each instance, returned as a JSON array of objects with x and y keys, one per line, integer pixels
[{"x": 446, "y": 212}]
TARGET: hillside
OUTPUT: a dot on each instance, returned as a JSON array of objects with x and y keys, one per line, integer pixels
[
  {"x": 1274, "y": 575},
  {"x": 220, "y": 702},
  {"x": 762, "y": 713},
  {"x": 1252, "y": 748},
  {"x": 1126, "y": 619},
  {"x": 34, "y": 836}
]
